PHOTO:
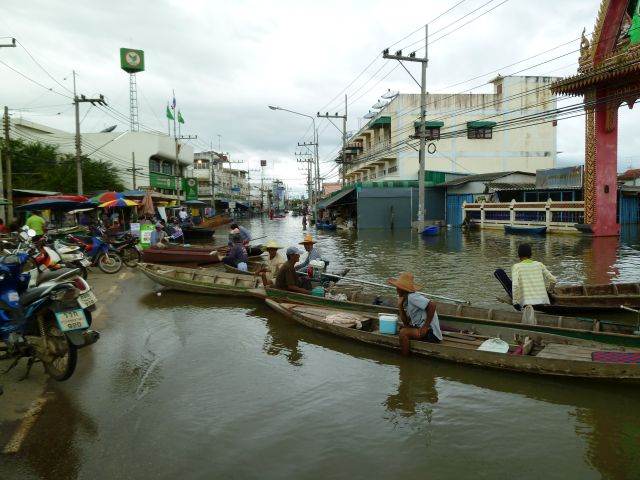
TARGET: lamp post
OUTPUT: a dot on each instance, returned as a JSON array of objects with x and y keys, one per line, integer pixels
[{"x": 315, "y": 143}]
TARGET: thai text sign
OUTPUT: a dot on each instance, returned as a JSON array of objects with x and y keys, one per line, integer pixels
[{"x": 162, "y": 181}]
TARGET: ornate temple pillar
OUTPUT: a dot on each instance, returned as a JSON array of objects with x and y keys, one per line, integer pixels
[{"x": 600, "y": 188}]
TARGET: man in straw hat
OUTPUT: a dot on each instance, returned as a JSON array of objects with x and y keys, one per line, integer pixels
[
  {"x": 313, "y": 252},
  {"x": 272, "y": 263},
  {"x": 288, "y": 278},
  {"x": 417, "y": 313}
]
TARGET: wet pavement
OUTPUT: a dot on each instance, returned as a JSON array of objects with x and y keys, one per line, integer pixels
[{"x": 199, "y": 387}]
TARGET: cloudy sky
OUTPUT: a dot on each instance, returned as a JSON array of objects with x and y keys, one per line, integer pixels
[{"x": 228, "y": 60}]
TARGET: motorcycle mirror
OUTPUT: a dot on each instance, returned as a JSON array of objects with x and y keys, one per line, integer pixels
[{"x": 31, "y": 232}]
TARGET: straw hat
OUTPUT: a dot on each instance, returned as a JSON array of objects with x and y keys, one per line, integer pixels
[
  {"x": 272, "y": 244},
  {"x": 405, "y": 282},
  {"x": 307, "y": 239}
]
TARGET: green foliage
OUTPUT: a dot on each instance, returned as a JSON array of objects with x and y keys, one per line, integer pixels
[{"x": 38, "y": 166}]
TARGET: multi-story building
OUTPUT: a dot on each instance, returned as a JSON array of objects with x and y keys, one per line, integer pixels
[
  {"x": 152, "y": 155},
  {"x": 511, "y": 129},
  {"x": 229, "y": 184}
]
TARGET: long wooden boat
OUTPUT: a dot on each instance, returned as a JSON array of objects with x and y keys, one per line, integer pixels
[
  {"x": 326, "y": 226},
  {"x": 525, "y": 230},
  {"x": 552, "y": 355},
  {"x": 353, "y": 299},
  {"x": 215, "y": 221},
  {"x": 197, "y": 233},
  {"x": 577, "y": 299},
  {"x": 192, "y": 280},
  {"x": 193, "y": 255},
  {"x": 430, "y": 230}
]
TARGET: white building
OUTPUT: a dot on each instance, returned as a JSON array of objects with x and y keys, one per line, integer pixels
[
  {"x": 155, "y": 154},
  {"x": 469, "y": 133}
]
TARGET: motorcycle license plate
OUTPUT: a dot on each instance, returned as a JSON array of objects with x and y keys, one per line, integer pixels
[
  {"x": 85, "y": 262},
  {"x": 87, "y": 299},
  {"x": 14, "y": 296},
  {"x": 71, "y": 320}
]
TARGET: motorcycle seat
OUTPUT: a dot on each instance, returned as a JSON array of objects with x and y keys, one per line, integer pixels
[
  {"x": 48, "y": 275},
  {"x": 32, "y": 294}
]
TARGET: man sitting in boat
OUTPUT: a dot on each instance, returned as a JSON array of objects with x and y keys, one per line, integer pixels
[
  {"x": 272, "y": 264},
  {"x": 287, "y": 278},
  {"x": 159, "y": 236},
  {"x": 417, "y": 313},
  {"x": 313, "y": 252},
  {"x": 237, "y": 253},
  {"x": 528, "y": 277}
]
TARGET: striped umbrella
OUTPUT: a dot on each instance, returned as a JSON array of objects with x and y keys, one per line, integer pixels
[
  {"x": 120, "y": 202},
  {"x": 106, "y": 197}
]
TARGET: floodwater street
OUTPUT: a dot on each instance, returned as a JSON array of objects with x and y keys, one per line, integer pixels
[{"x": 196, "y": 387}]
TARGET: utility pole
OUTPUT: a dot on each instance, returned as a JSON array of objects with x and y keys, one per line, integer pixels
[
  {"x": 309, "y": 162},
  {"x": 344, "y": 136},
  {"x": 212, "y": 179},
  {"x": 77, "y": 101},
  {"x": 423, "y": 107},
  {"x": 316, "y": 184},
  {"x": 7, "y": 159},
  {"x": 133, "y": 170}
]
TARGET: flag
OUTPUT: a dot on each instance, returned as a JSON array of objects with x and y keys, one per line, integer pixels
[
  {"x": 169, "y": 114},
  {"x": 173, "y": 102},
  {"x": 180, "y": 119}
]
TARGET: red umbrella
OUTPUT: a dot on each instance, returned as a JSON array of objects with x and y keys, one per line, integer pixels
[
  {"x": 106, "y": 197},
  {"x": 71, "y": 198}
]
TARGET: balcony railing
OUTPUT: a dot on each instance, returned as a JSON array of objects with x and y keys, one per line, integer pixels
[{"x": 556, "y": 216}]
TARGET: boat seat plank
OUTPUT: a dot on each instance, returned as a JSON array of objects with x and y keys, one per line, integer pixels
[{"x": 566, "y": 352}]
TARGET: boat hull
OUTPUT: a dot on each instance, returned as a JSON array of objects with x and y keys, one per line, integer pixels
[
  {"x": 466, "y": 352},
  {"x": 522, "y": 230},
  {"x": 179, "y": 255}
]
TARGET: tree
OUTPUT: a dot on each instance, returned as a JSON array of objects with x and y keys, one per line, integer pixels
[{"x": 38, "y": 166}]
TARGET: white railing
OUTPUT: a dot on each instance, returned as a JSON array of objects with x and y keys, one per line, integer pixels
[{"x": 556, "y": 216}]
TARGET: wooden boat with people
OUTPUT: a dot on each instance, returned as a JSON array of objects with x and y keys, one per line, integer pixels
[
  {"x": 179, "y": 254},
  {"x": 197, "y": 233},
  {"x": 216, "y": 221},
  {"x": 578, "y": 299},
  {"x": 212, "y": 282},
  {"x": 498, "y": 347},
  {"x": 352, "y": 298}
]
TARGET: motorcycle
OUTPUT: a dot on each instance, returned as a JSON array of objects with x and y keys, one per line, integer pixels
[
  {"x": 100, "y": 253},
  {"x": 129, "y": 249},
  {"x": 73, "y": 257},
  {"x": 47, "y": 323}
]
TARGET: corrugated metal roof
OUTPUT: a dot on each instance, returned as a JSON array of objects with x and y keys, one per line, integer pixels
[
  {"x": 502, "y": 187},
  {"x": 482, "y": 177}
]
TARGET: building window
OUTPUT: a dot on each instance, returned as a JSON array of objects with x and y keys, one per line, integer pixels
[
  {"x": 154, "y": 165},
  {"x": 167, "y": 168},
  {"x": 432, "y": 133},
  {"x": 393, "y": 169},
  {"x": 479, "y": 132}
]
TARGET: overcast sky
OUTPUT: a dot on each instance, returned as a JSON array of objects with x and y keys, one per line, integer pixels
[{"x": 228, "y": 61}]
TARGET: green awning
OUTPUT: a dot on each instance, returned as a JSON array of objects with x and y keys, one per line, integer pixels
[
  {"x": 325, "y": 202},
  {"x": 429, "y": 124},
  {"x": 380, "y": 121},
  {"x": 480, "y": 124}
]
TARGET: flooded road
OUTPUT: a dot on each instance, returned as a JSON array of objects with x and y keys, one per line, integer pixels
[{"x": 197, "y": 387}]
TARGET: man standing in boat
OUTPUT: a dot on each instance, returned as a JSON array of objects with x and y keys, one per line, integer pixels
[
  {"x": 528, "y": 277},
  {"x": 288, "y": 278},
  {"x": 313, "y": 253},
  {"x": 417, "y": 313}
]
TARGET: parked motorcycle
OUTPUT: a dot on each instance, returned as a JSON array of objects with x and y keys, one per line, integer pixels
[
  {"x": 129, "y": 249},
  {"x": 47, "y": 323},
  {"x": 100, "y": 253}
]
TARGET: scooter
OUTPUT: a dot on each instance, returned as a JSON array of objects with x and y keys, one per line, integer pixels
[
  {"x": 47, "y": 323},
  {"x": 100, "y": 253}
]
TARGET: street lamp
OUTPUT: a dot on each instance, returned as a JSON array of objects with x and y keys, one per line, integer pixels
[{"x": 315, "y": 143}]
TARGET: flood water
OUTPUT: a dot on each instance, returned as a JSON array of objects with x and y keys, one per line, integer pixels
[{"x": 198, "y": 387}]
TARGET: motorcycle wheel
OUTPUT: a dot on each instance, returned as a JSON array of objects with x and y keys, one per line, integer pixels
[
  {"x": 65, "y": 353},
  {"x": 130, "y": 256},
  {"x": 110, "y": 262}
]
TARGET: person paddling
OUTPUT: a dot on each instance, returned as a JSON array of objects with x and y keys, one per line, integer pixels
[{"x": 417, "y": 313}]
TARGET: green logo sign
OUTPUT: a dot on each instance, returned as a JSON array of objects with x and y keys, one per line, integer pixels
[
  {"x": 131, "y": 60},
  {"x": 190, "y": 187},
  {"x": 162, "y": 181}
]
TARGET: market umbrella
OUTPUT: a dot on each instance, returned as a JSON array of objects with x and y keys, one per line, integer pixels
[
  {"x": 106, "y": 197},
  {"x": 55, "y": 204},
  {"x": 147, "y": 204},
  {"x": 120, "y": 202},
  {"x": 71, "y": 198}
]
